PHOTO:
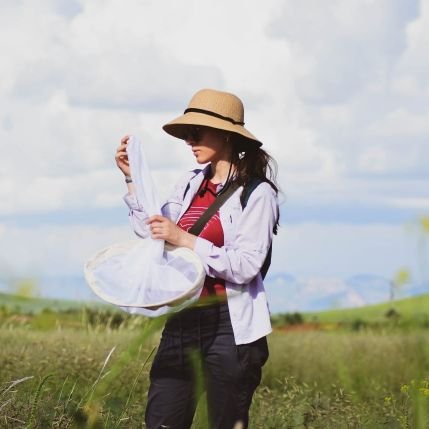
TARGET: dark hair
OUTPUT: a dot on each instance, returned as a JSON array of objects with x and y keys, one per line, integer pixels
[{"x": 252, "y": 161}]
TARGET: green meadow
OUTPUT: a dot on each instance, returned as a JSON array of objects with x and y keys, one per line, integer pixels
[
  {"x": 415, "y": 309},
  {"x": 80, "y": 367}
]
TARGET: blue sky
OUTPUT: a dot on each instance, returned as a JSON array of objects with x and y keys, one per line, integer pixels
[{"x": 337, "y": 91}]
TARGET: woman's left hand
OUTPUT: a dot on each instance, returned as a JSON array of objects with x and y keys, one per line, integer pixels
[{"x": 163, "y": 228}]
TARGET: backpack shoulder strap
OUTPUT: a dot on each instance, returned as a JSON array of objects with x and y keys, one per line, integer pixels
[
  {"x": 253, "y": 183},
  {"x": 244, "y": 198},
  {"x": 212, "y": 209}
]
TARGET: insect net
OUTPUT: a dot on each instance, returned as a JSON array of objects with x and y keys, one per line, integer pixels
[{"x": 145, "y": 276}]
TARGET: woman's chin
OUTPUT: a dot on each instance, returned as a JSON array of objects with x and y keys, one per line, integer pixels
[{"x": 201, "y": 160}]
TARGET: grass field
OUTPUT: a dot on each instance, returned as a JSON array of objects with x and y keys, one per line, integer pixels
[
  {"x": 99, "y": 378},
  {"x": 88, "y": 368},
  {"x": 407, "y": 308},
  {"x": 23, "y": 304}
]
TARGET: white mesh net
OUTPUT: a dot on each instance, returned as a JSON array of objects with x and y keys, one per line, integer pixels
[{"x": 142, "y": 275}]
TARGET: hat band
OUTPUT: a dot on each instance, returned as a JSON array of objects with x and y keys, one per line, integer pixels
[{"x": 216, "y": 115}]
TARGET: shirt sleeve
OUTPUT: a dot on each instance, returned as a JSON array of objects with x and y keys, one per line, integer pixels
[
  {"x": 137, "y": 216},
  {"x": 242, "y": 260},
  {"x": 171, "y": 208}
]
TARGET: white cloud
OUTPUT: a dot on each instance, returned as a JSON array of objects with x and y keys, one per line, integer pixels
[
  {"x": 373, "y": 160},
  {"x": 402, "y": 123},
  {"x": 341, "y": 48},
  {"x": 335, "y": 250},
  {"x": 54, "y": 250},
  {"x": 108, "y": 56},
  {"x": 412, "y": 71},
  {"x": 337, "y": 92},
  {"x": 411, "y": 202},
  {"x": 347, "y": 66}
]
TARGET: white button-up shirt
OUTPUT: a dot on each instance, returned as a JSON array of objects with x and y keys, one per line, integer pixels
[{"x": 248, "y": 234}]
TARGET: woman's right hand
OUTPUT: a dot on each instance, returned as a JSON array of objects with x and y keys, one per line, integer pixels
[{"x": 121, "y": 157}]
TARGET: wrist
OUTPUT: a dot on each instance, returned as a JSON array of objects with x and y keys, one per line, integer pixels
[
  {"x": 128, "y": 179},
  {"x": 187, "y": 240}
]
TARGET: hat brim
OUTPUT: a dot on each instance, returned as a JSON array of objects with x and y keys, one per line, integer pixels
[{"x": 177, "y": 127}]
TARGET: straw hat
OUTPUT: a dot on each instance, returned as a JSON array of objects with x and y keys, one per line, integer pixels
[{"x": 215, "y": 109}]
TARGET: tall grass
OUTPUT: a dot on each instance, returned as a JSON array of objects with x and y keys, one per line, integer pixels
[
  {"x": 355, "y": 360},
  {"x": 312, "y": 379}
]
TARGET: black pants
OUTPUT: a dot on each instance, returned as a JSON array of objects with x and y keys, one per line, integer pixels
[{"x": 231, "y": 373}]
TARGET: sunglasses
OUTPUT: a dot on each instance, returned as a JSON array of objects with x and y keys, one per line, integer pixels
[{"x": 193, "y": 133}]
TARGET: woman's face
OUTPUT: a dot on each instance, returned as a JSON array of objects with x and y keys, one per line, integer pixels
[{"x": 208, "y": 144}]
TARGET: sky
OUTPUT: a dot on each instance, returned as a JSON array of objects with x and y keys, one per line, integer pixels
[{"x": 337, "y": 91}]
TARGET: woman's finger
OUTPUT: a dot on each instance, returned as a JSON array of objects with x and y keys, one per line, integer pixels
[
  {"x": 121, "y": 155},
  {"x": 156, "y": 226},
  {"x": 122, "y": 147},
  {"x": 124, "y": 140},
  {"x": 156, "y": 218},
  {"x": 157, "y": 232}
]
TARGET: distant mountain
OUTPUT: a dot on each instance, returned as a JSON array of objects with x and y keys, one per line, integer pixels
[
  {"x": 288, "y": 294},
  {"x": 64, "y": 287},
  {"x": 20, "y": 304}
]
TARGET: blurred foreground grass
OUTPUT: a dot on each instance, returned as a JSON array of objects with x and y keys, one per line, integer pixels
[{"x": 97, "y": 377}]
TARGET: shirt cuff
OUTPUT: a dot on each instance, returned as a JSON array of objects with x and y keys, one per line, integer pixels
[
  {"x": 131, "y": 201},
  {"x": 203, "y": 248}
]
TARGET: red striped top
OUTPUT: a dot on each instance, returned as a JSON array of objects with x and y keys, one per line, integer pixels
[{"x": 212, "y": 231}]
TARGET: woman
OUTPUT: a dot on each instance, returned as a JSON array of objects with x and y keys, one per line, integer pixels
[{"x": 227, "y": 329}]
